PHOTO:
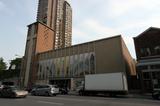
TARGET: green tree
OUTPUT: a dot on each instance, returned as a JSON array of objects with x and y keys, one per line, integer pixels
[
  {"x": 16, "y": 62},
  {"x": 3, "y": 65},
  {"x": 15, "y": 67}
]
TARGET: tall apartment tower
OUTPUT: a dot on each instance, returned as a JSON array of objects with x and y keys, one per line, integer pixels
[{"x": 57, "y": 14}]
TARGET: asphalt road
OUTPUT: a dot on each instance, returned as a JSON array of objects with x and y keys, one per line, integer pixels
[{"x": 68, "y": 100}]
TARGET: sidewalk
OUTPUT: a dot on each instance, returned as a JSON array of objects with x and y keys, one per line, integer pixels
[
  {"x": 72, "y": 93},
  {"x": 138, "y": 96}
]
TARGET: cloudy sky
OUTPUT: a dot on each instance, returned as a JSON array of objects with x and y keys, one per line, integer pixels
[{"x": 92, "y": 19}]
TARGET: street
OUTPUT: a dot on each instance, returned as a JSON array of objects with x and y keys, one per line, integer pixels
[{"x": 68, "y": 100}]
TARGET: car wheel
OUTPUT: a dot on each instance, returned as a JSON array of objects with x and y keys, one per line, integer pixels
[
  {"x": 25, "y": 96},
  {"x": 33, "y": 93},
  {"x": 13, "y": 95},
  {"x": 47, "y": 94},
  {"x": 0, "y": 95}
]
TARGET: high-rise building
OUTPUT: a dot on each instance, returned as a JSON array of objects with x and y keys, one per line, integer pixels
[{"x": 57, "y": 14}]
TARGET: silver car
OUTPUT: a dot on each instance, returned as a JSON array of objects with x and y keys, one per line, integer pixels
[
  {"x": 1, "y": 87},
  {"x": 12, "y": 91},
  {"x": 45, "y": 90}
]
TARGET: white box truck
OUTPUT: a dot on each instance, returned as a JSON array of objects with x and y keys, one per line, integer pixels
[{"x": 110, "y": 83}]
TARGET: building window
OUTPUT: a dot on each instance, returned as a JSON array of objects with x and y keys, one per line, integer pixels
[
  {"x": 145, "y": 52},
  {"x": 157, "y": 50},
  {"x": 142, "y": 68},
  {"x": 155, "y": 66},
  {"x": 146, "y": 75}
]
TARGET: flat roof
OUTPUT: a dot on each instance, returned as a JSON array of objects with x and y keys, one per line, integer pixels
[
  {"x": 40, "y": 23},
  {"x": 93, "y": 41}
]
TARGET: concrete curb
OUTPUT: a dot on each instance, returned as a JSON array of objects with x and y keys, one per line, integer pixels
[{"x": 138, "y": 96}]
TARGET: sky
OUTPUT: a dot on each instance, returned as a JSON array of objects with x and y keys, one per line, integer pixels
[{"x": 92, "y": 20}]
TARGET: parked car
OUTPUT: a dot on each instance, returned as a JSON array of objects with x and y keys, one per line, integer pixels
[
  {"x": 156, "y": 88},
  {"x": 1, "y": 87},
  {"x": 156, "y": 94},
  {"x": 79, "y": 88},
  {"x": 12, "y": 91},
  {"x": 29, "y": 89},
  {"x": 45, "y": 90}
]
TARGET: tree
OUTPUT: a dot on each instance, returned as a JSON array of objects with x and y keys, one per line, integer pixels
[
  {"x": 3, "y": 65},
  {"x": 15, "y": 67}
]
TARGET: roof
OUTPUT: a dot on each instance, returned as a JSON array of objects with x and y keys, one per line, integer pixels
[
  {"x": 108, "y": 38},
  {"x": 39, "y": 23},
  {"x": 148, "y": 31},
  {"x": 68, "y": 1}
]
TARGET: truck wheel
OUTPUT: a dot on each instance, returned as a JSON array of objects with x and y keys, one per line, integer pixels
[
  {"x": 112, "y": 95},
  {"x": 54, "y": 95}
]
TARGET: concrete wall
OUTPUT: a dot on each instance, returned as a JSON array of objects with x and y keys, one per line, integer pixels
[
  {"x": 108, "y": 56},
  {"x": 29, "y": 52}
]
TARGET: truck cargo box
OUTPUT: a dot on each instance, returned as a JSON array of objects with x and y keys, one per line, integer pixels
[{"x": 106, "y": 82}]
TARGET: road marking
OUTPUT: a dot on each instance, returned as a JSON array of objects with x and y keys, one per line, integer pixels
[
  {"x": 52, "y": 103},
  {"x": 19, "y": 99}
]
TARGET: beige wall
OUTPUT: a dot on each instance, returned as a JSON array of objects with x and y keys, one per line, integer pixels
[
  {"x": 108, "y": 56},
  {"x": 45, "y": 39}
]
